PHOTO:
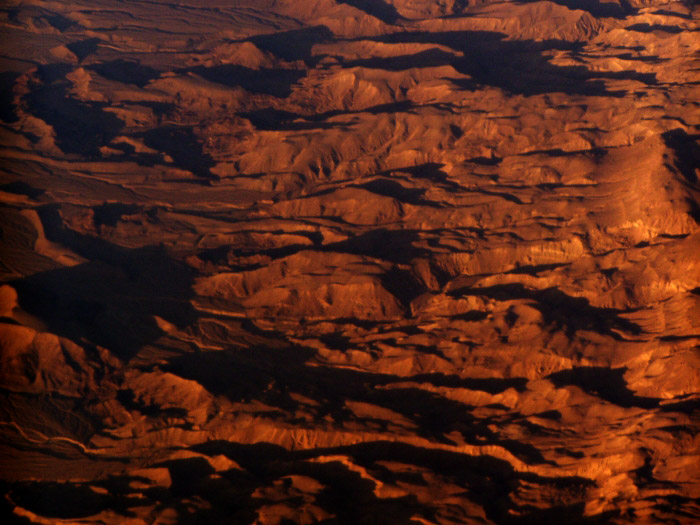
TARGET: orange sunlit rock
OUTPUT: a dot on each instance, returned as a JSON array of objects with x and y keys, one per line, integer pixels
[{"x": 350, "y": 261}]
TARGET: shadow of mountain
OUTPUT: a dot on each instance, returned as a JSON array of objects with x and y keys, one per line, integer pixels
[
  {"x": 184, "y": 147},
  {"x": 533, "y": 270},
  {"x": 110, "y": 213},
  {"x": 83, "y": 48},
  {"x": 430, "y": 171},
  {"x": 389, "y": 245},
  {"x": 489, "y": 482},
  {"x": 606, "y": 383},
  {"x": 650, "y": 28},
  {"x": 571, "y": 313},
  {"x": 293, "y": 45},
  {"x": 198, "y": 494},
  {"x": 61, "y": 22},
  {"x": 112, "y": 300},
  {"x": 379, "y": 9},
  {"x": 687, "y": 150},
  {"x": 381, "y": 243},
  {"x": 652, "y": 59},
  {"x": 269, "y": 119},
  {"x": 490, "y": 385},
  {"x": 272, "y": 374},
  {"x": 80, "y": 127},
  {"x": 517, "y": 66},
  {"x": 394, "y": 246},
  {"x": 667, "y": 12},
  {"x": 687, "y": 406},
  {"x": 594, "y": 153},
  {"x": 59, "y": 500},
  {"x": 22, "y": 188},
  {"x": 598, "y": 8},
  {"x": 125, "y": 71},
  {"x": 403, "y": 285},
  {"x": 275, "y": 82},
  {"x": 428, "y": 58},
  {"x": 7, "y": 109},
  {"x": 390, "y": 188}
]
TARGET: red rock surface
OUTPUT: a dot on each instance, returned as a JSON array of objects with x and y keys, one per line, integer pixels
[{"x": 350, "y": 261}]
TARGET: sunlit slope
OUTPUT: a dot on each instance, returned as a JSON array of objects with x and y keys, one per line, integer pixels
[{"x": 350, "y": 262}]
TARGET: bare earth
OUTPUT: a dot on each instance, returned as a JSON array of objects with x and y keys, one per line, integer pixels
[{"x": 350, "y": 262}]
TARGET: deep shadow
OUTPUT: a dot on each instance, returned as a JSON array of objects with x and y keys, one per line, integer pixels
[
  {"x": 570, "y": 313},
  {"x": 271, "y": 372},
  {"x": 606, "y": 383},
  {"x": 395, "y": 246},
  {"x": 268, "y": 119},
  {"x": 650, "y": 28},
  {"x": 516, "y": 66},
  {"x": 184, "y": 147},
  {"x": 484, "y": 480},
  {"x": 50, "y": 73},
  {"x": 111, "y": 300},
  {"x": 61, "y": 23},
  {"x": 598, "y": 8},
  {"x": 485, "y": 161},
  {"x": 666, "y": 12},
  {"x": 472, "y": 316},
  {"x": 186, "y": 475},
  {"x": 83, "y": 48},
  {"x": 403, "y": 285},
  {"x": 293, "y": 45},
  {"x": 500, "y": 194},
  {"x": 652, "y": 59},
  {"x": 125, "y": 71},
  {"x": 275, "y": 82},
  {"x": 595, "y": 153},
  {"x": 687, "y": 406},
  {"x": 379, "y": 9},
  {"x": 7, "y": 109},
  {"x": 432, "y": 172},
  {"x": 110, "y": 213},
  {"x": 59, "y": 500},
  {"x": 389, "y": 245},
  {"x": 22, "y": 188},
  {"x": 687, "y": 150},
  {"x": 390, "y": 188},
  {"x": 80, "y": 127},
  {"x": 346, "y": 494},
  {"x": 227, "y": 499},
  {"x": 428, "y": 58},
  {"x": 694, "y": 209},
  {"x": 491, "y": 385},
  {"x": 536, "y": 269},
  {"x": 129, "y": 401}
]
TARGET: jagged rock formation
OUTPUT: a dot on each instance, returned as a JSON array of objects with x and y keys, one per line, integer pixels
[{"x": 350, "y": 261}]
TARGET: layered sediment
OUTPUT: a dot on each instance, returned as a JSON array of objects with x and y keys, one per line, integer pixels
[{"x": 345, "y": 261}]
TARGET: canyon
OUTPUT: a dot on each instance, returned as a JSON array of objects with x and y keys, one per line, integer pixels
[{"x": 350, "y": 261}]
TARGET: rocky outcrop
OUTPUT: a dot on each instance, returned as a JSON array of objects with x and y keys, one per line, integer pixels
[{"x": 347, "y": 261}]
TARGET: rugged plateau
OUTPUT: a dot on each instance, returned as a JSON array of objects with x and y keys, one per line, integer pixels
[{"x": 350, "y": 261}]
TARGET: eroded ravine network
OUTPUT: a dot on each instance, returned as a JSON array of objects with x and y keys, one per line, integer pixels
[{"x": 407, "y": 261}]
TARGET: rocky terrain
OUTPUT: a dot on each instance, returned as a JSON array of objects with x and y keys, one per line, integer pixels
[{"x": 350, "y": 261}]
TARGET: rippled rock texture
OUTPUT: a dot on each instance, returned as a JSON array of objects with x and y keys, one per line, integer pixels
[{"x": 350, "y": 261}]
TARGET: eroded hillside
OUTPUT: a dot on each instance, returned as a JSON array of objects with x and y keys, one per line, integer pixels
[{"x": 350, "y": 261}]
